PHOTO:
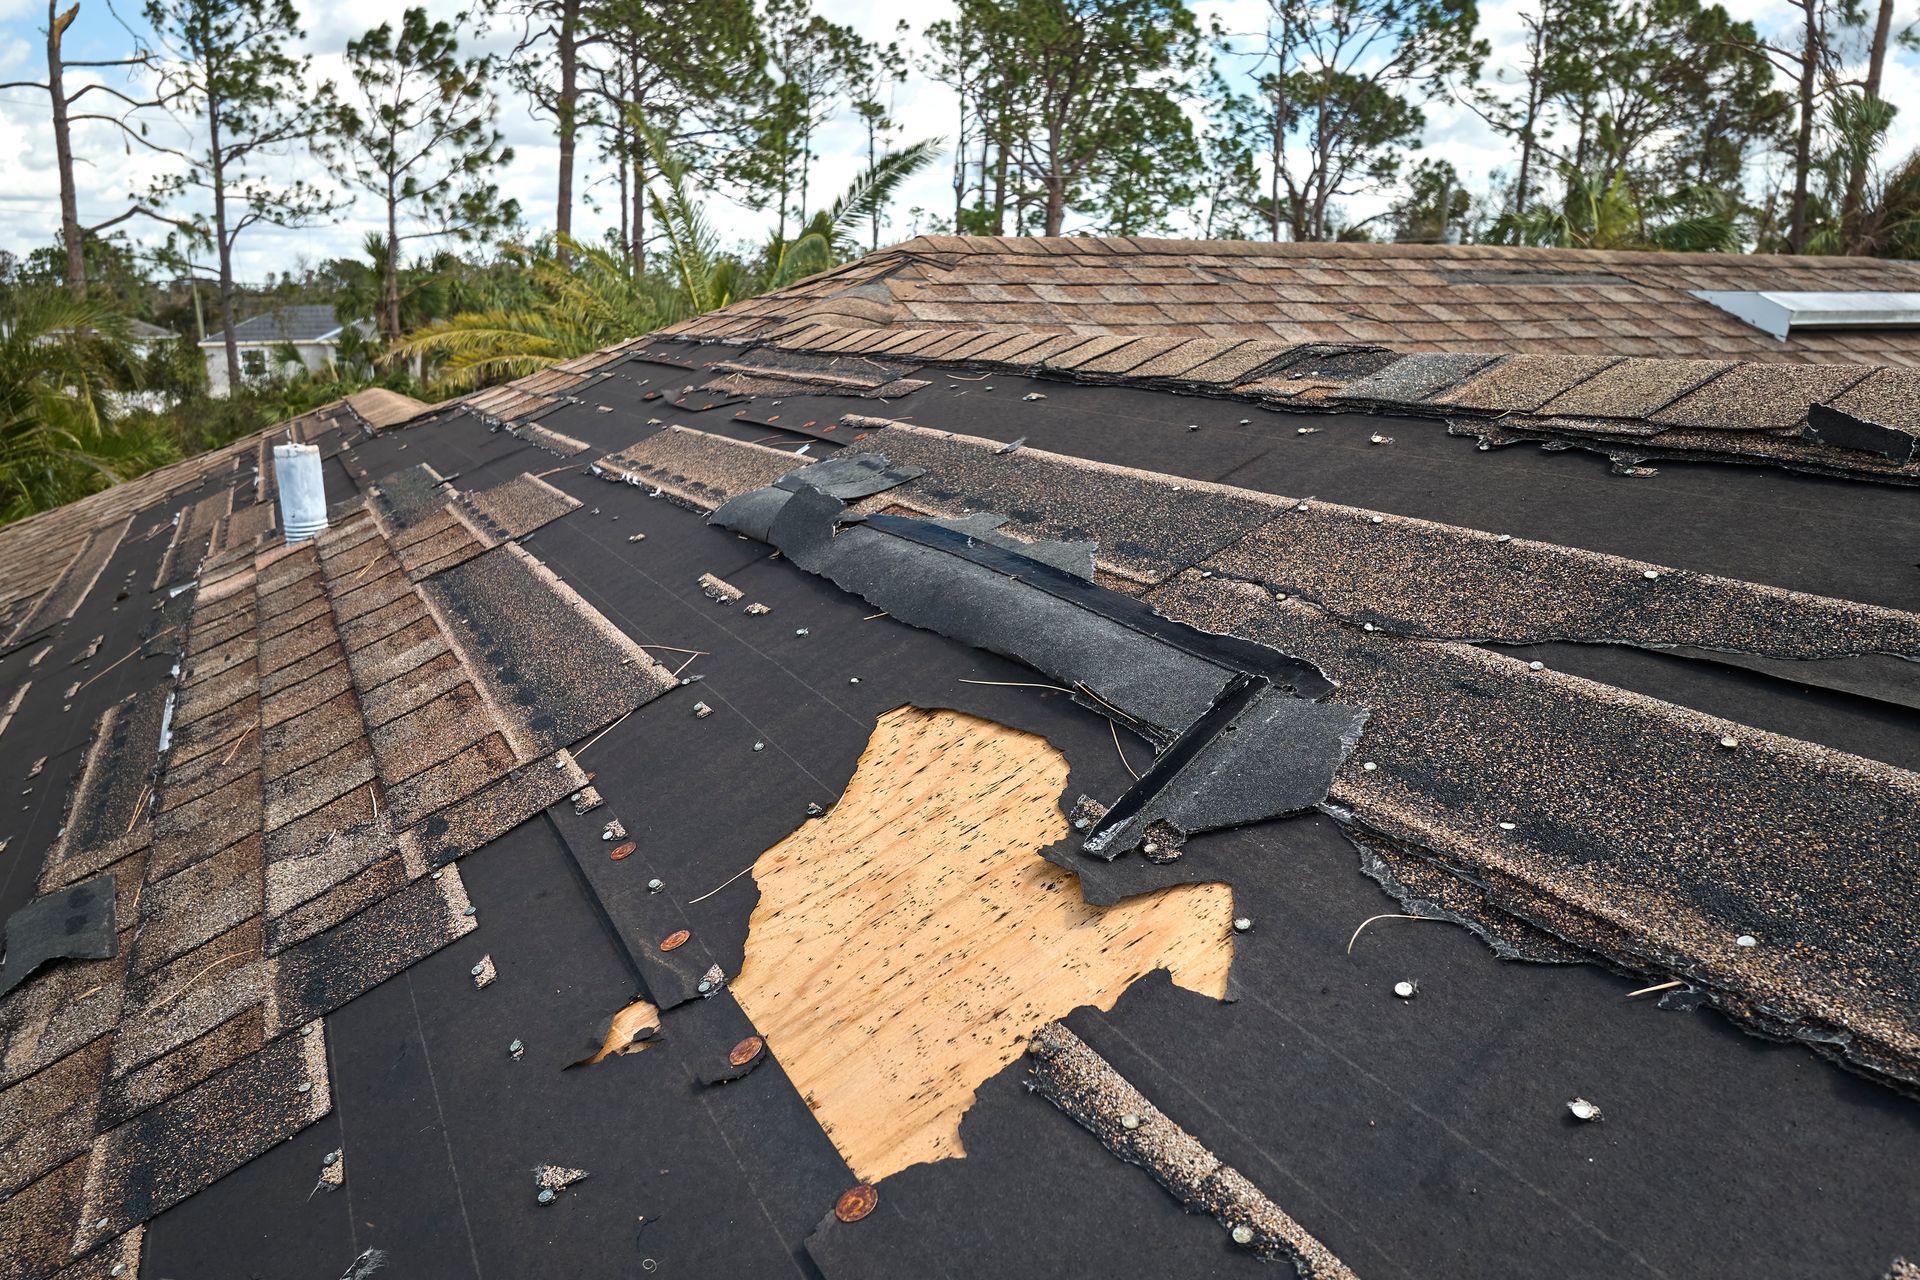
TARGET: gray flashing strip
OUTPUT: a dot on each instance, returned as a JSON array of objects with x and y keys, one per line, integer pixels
[{"x": 1243, "y": 735}]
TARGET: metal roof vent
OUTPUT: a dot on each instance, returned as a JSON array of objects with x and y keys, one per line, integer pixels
[
  {"x": 303, "y": 494},
  {"x": 1780, "y": 312}
]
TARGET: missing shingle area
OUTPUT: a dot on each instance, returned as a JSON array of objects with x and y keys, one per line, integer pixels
[{"x": 890, "y": 1051}]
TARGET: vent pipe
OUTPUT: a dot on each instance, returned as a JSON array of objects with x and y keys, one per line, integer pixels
[{"x": 303, "y": 496}]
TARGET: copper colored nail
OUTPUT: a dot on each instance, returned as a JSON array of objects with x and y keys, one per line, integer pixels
[
  {"x": 674, "y": 939},
  {"x": 621, "y": 851},
  {"x": 746, "y": 1051},
  {"x": 856, "y": 1203}
]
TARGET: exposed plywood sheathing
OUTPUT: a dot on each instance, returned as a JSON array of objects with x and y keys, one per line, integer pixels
[{"x": 907, "y": 945}]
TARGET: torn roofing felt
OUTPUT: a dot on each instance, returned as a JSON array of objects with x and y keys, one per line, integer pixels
[
  {"x": 1502, "y": 791},
  {"x": 1242, "y": 735}
]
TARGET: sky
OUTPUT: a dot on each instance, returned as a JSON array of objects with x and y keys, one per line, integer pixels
[{"x": 29, "y": 192}]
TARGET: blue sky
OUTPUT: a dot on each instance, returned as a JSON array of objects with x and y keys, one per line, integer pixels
[{"x": 29, "y": 196}]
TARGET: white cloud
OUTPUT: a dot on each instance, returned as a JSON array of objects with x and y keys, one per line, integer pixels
[{"x": 29, "y": 195}]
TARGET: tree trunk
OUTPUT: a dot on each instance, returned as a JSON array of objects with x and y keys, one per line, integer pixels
[
  {"x": 565, "y": 119},
  {"x": 390, "y": 274},
  {"x": 1857, "y": 173},
  {"x": 638, "y": 253},
  {"x": 70, "y": 233},
  {"x": 1056, "y": 181},
  {"x": 223, "y": 243},
  {"x": 1798, "y": 232}
]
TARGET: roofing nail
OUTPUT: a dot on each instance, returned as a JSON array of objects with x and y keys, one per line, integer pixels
[
  {"x": 1405, "y": 990},
  {"x": 1583, "y": 1111},
  {"x": 1242, "y": 925},
  {"x": 856, "y": 1203}
]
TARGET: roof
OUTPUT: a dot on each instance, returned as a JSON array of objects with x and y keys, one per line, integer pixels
[
  {"x": 750, "y": 808},
  {"x": 1410, "y": 296},
  {"x": 302, "y": 323}
]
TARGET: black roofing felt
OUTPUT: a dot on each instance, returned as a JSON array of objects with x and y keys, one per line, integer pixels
[{"x": 1422, "y": 1137}]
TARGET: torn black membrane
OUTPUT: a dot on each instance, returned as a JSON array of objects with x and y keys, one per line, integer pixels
[{"x": 1241, "y": 733}]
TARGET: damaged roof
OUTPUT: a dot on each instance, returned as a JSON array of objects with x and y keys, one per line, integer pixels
[{"x": 789, "y": 796}]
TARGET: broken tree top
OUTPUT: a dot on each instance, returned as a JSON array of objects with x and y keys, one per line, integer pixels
[{"x": 1015, "y": 757}]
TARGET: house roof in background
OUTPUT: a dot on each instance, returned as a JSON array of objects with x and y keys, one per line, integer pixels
[
  {"x": 737, "y": 716},
  {"x": 302, "y": 323},
  {"x": 1421, "y": 298}
]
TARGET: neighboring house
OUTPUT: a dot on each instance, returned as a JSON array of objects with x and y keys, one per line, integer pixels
[
  {"x": 953, "y": 754},
  {"x": 148, "y": 336},
  {"x": 310, "y": 330}
]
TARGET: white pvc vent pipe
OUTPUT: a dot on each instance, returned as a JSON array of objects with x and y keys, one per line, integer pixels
[{"x": 303, "y": 495}]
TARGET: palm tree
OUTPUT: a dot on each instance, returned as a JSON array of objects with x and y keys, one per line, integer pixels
[
  {"x": 585, "y": 302},
  {"x": 593, "y": 298},
  {"x": 1603, "y": 211},
  {"x": 61, "y": 359}
]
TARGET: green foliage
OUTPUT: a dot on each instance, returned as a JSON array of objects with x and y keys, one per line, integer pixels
[
  {"x": 420, "y": 137},
  {"x": 62, "y": 359},
  {"x": 1340, "y": 91},
  {"x": 590, "y": 296},
  {"x": 1603, "y": 211},
  {"x": 1075, "y": 106},
  {"x": 1436, "y": 200}
]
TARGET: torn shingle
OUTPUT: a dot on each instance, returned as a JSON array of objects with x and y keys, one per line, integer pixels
[{"x": 74, "y": 923}]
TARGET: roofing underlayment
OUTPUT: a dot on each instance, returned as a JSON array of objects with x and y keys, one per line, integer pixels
[{"x": 878, "y": 783}]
